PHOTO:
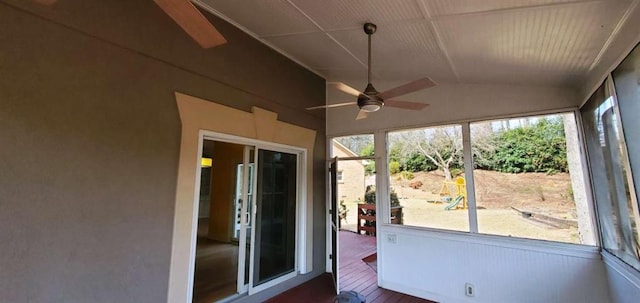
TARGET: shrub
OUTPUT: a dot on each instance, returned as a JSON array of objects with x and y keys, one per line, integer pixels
[
  {"x": 418, "y": 162},
  {"x": 456, "y": 171},
  {"x": 370, "y": 168},
  {"x": 370, "y": 196},
  {"x": 394, "y": 167},
  {"x": 537, "y": 148},
  {"x": 407, "y": 175}
]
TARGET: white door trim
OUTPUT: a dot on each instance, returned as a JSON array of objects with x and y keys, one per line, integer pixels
[{"x": 258, "y": 127}]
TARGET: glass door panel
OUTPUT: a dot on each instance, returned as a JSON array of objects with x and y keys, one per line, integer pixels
[{"x": 275, "y": 216}]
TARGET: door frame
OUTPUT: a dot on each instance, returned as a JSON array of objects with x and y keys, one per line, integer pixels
[
  {"x": 301, "y": 184},
  {"x": 334, "y": 222},
  {"x": 198, "y": 114},
  {"x": 328, "y": 228}
]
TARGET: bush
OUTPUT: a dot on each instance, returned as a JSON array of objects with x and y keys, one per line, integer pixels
[
  {"x": 407, "y": 175},
  {"x": 418, "y": 162},
  {"x": 538, "y": 148},
  {"x": 456, "y": 171},
  {"x": 394, "y": 167},
  {"x": 370, "y": 196},
  {"x": 370, "y": 168}
]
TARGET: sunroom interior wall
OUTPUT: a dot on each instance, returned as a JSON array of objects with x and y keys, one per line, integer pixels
[
  {"x": 451, "y": 102},
  {"x": 624, "y": 281},
  {"x": 436, "y": 265}
]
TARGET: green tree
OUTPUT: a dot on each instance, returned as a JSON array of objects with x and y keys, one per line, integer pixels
[
  {"x": 537, "y": 148},
  {"x": 370, "y": 166},
  {"x": 367, "y": 151}
]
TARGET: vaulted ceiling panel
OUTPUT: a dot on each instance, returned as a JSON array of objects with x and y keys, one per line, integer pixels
[
  {"x": 540, "y": 46},
  {"x": 400, "y": 51},
  {"x": 523, "y": 42},
  {"x": 316, "y": 50},
  {"x": 263, "y": 18},
  {"x": 344, "y": 14},
  {"x": 455, "y": 7}
]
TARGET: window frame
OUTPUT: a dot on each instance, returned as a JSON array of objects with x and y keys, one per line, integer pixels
[
  {"x": 610, "y": 92},
  {"x": 383, "y": 184}
]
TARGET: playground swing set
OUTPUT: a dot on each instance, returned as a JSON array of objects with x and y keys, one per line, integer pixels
[{"x": 454, "y": 193}]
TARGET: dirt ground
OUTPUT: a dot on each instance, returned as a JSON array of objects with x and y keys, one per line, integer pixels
[{"x": 496, "y": 194}]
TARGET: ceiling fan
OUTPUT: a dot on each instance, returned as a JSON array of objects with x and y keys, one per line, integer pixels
[
  {"x": 187, "y": 16},
  {"x": 370, "y": 100}
]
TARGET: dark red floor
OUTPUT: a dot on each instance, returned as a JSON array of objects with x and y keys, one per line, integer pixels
[
  {"x": 319, "y": 289},
  {"x": 354, "y": 274}
]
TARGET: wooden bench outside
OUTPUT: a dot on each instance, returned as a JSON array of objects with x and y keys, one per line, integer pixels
[{"x": 367, "y": 215}]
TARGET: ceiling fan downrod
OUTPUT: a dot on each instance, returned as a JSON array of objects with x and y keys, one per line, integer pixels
[
  {"x": 369, "y": 100},
  {"x": 369, "y": 29}
]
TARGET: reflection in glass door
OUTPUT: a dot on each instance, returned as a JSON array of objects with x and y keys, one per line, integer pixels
[{"x": 274, "y": 251}]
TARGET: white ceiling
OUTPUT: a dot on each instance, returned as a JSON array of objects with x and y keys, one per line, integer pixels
[{"x": 526, "y": 42}]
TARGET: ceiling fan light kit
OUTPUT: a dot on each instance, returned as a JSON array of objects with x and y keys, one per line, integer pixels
[
  {"x": 370, "y": 103},
  {"x": 370, "y": 100}
]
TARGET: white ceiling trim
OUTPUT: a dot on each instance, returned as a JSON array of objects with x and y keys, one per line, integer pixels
[
  {"x": 614, "y": 34},
  {"x": 326, "y": 33},
  {"x": 436, "y": 33},
  {"x": 517, "y": 9}
]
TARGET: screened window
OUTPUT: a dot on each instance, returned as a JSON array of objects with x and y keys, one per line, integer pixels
[
  {"x": 426, "y": 178},
  {"x": 529, "y": 181},
  {"x": 612, "y": 133}
]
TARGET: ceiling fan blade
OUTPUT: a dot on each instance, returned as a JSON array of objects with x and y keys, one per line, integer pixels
[
  {"x": 332, "y": 105},
  {"x": 192, "y": 21},
  {"x": 346, "y": 88},
  {"x": 407, "y": 88},
  {"x": 362, "y": 115},
  {"x": 405, "y": 104}
]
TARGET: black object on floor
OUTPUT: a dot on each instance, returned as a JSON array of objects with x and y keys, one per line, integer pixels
[{"x": 350, "y": 297}]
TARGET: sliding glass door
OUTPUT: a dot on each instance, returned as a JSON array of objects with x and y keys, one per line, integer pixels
[
  {"x": 253, "y": 214},
  {"x": 274, "y": 250}
]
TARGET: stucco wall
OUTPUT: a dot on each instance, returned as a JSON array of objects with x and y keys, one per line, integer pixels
[{"x": 90, "y": 138}]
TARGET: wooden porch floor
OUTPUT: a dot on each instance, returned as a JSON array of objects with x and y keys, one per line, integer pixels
[{"x": 354, "y": 274}]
